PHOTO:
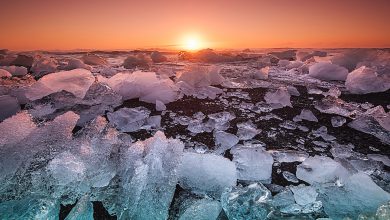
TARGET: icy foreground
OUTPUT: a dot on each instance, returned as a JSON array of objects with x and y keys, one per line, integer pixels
[{"x": 295, "y": 134}]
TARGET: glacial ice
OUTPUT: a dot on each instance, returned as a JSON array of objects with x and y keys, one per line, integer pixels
[
  {"x": 129, "y": 119},
  {"x": 43, "y": 66},
  {"x": 75, "y": 81},
  {"x": 83, "y": 210},
  {"x": 94, "y": 60},
  {"x": 305, "y": 115},
  {"x": 328, "y": 71},
  {"x": 139, "y": 61},
  {"x": 280, "y": 97},
  {"x": 158, "y": 57},
  {"x": 290, "y": 177},
  {"x": 304, "y": 195},
  {"x": 15, "y": 70},
  {"x": 253, "y": 162},
  {"x": 8, "y": 106},
  {"x": 366, "y": 80},
  {"x": 4, "y": 73},
  {"x": 224, "y": 141},
  {"x": 261, "y": 73},
  {"x": 143, "y": 85},
  {"x": 16, "y": 128},
  {"x": 338, "y": 121},
  {"x": 206, "y": 173},
  {"x": 76, "y": 64},
  {"x": 247, "y": 130},
  {"x": 203, "y": 209}
]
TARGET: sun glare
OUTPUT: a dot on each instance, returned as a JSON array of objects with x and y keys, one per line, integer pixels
[{"x": 192, "y": 44}]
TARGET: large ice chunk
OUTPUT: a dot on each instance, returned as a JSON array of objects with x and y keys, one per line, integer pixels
[
  {"x": 247, "y": 130},
  {"x": 129, "y": 119},
  {"x": 75, "y": 81},
  {"x": 253, "y": 162},
  {"x": 201, "y": 76},
  {"x": 320, "y": 169},
  {"x": 143, "y": 85},
  {"x": 43, "y": 66},
  {"x": 4, "y": 73},
  {"x": 224, "y": 141},
  {"x": 207, "y": 173},
  {"x": 204, "y": 209},
  {"x": 76, "y": 64},
  {"x": 15, "y": 70},
  {"x": 92, "y": 59},
  {"x": 14, "y": 129},
  {"x": 8, "y": 106},
  {"x": 365, "y": 80},
  {"x": 328, "y": 71},
  {"x": 250, "y": 202},
  {"x": 279, "y": 97}
]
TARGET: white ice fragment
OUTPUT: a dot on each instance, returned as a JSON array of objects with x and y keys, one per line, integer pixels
[
  {"x": 253, "y": 162},
  {"x": 75, "y": 81},
  {"x": 288, "y": 156},
  {"x": 293, "y": 91},
  {"x": 92, "y": 59},
  {"x": 320, "y": 169},
  {"x": 129, "y": 119},
  {"x": 260, "y": 74},
  {"x": 328, "y": 71},
  {"x": 304, "y": 195},
  {"x": 280, "y": 97},
  {"x": 224, "y": 141},
  {"x": 290, "y": 177},
  {"x": 207, "y": 173},
  {"x": 8, "y": 106},
  {"x": 160, "y": 106},
  {"x": 305, "y": 115},
  {"x": 204, "y": 209},
  {"x": 365, "y": 80},
  {"x": 14, "y": 129},
  {"x": 221, "y": 120},
  {"x": 4, "y": 73},
  {"x": 338, "y": 121},
  {"x": 247, "y": 130},
  {"x": 323, "y": 133},
  {"x": 201, "y": 76},
  {"x": 15, "y": 70}
]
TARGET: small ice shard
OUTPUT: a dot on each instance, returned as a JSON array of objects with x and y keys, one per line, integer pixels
[
  {"x": 374, "y": 121},
  {"x": 204, "y": 209},
  {"x": 320, "y": 169},
  {"x": 207, "y": 173},
  {"x": 293, "y": 91},
  {"x": 250, "y": 202},
  {"x": 306, "y": 115},
  {"x": 129, "y": 119},
  {"x": 143, "y": 85},
  {"x": 95, "y": 60},
  {"x": 75, "y": 81},
  {"x": 224, "y": 141},
  {"x": 328, "y": 71},
  {"x": 14, "y": 129},
  {"x": 253, "y": 162},
  {"x": 198, "y": 77},
  {"x": 15, "y": 70},
  {"x": 323, "y": 133},
  {"x": 331, "y": 105},
  {"x": 153, "y": 122},
  {"x": 139, "y": 61},
  {"x": 304, "y": 195},
  {"x": 158, "y": 57},
  {"x": 83, "y": 210},
  {"x": 288, "y": 125},
  {"x": 365, "y": 80},
  {"x": 76, "y": 64},
  {"x": 260, "y": 74},
  {"x": 290, "y": 177},
  {"x": 280, "y": 97},
  {"x": 338, "y": 121},
  {"x": 4, "y": 73},
  {"x": 30, "y": 207},
  {"x": 149, "y": 174},
  {"x": 160, "y": 106},
  {"x": 221, "y": 120},
  {"x": 334, "y": 92},
  {"x": 358, "y": 195},
  {"x": 8, "y": 106},
  {"x": 289, "y": 156},
  {"x": 247, "y": 130},
  {"x": 196, "y": 126},
  {"x": 43, "y": 66}
]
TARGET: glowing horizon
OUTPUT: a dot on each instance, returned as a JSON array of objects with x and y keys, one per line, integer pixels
[{"x": 101, "y": 25}]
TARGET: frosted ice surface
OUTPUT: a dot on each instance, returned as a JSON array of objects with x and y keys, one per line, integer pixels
[
  {"x": 149, "y": 172},
  {"x": 247, "y": 130},
  {"x": 83, "y": 210},
  {"x": 221, "y": 120},
  {"x": 14, "y": 129},
  {"x": 129, "y": 119},
  {"x": 160, "y": 106},
  {"x": 244, "y": 203},
  {"x": 304, "y": 195},
  {"x": 305, "y": 115},
  {"x": 143, "y": 85},
  {"x": 280, "y": 97},
  {"x": 331, "y": 105},
  {"x": 5, "y": 73},
  {"x": 365, "y": 80},
  {"x": 328, "y": 71},
  {"x": 338, "y": 121},
  {"x": 224, "y": 141},
  {"x": 76, "y": 64},
  {"x": 293, "y": 91},
  {"x": 201, "y": 76},
  {"x": 207, "y": 173},
  {"x": 15, "y": 70},
  {"x": 8, "y": 106},
  {"x": 75, "y": 81},
  {"x": 43, "y": 66},
  {"x": 260, "y": 74},
  {"x": 320, "y": 169},
  {"x": 358, "y": 195},
  {"x": 253, "y": 162},
  {"x": 204, "y": 209},
  {"x": 66, "y": 168},
  {"x": 288, "y": 156}
]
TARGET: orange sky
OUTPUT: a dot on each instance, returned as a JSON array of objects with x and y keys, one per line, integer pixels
[{"x": 120, "y": 24}]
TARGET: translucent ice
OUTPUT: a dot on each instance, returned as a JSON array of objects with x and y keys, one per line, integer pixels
[
  {"x": 15, "y": 70},
  {"x": 305, "y": 115},
  {"x": 158, "y": 57},
  {"x": 8, "y": 106},
  {"x": 43, "y": 66},
  {"x": 201, "y": 76},
  {"x": 14, "y": 129},
  {"x": 304, "y": 195},
  {"x": 4, "y": 73},
  {"x": 328, "y": 71},
  {"x": 247, "y": 130},
  {"x": 280, "y": 97},
  {"x": 365, "y": 80},
  {"x": 207, "y": 173},
  {"x": 253, "y": 162},
  {"x": 76, "y": 64},
  {"x": 129, "y": 119},
  {"x": 75, "y": 81},
  {"x": 92, "y": 59},
  {"x": 260, "y": 74},
  {"x": 338, "y": 121},
  {"x": 82, "y": 211},
  {"x": 224, "y": 141},
  {"x": 204, "y": 209}
]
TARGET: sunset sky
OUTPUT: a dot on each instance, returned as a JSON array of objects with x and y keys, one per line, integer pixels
[{"x": 120, "y": 24}]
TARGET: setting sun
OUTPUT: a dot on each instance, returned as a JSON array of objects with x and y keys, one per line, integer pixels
[{"x": 192, "y": 44}]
